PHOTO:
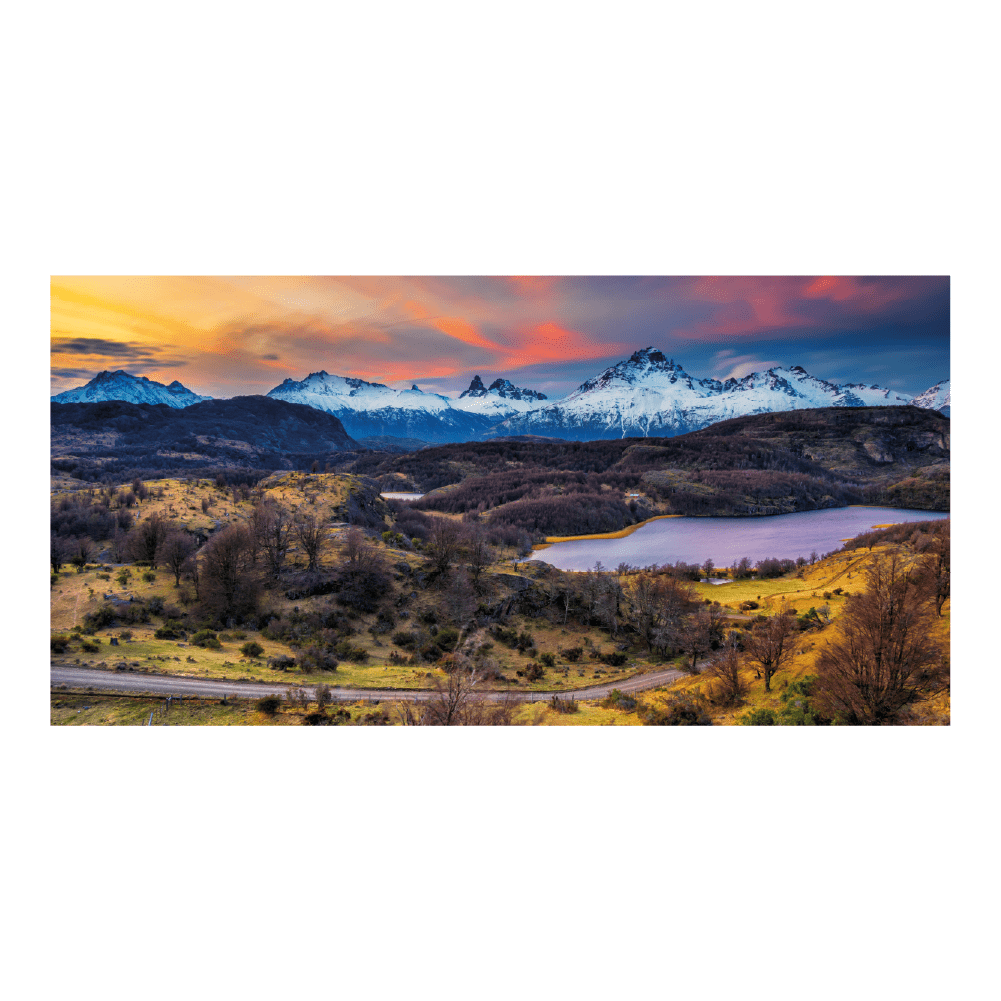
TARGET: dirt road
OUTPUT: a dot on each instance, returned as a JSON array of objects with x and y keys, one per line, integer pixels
[{"x": 166, "y": 684}]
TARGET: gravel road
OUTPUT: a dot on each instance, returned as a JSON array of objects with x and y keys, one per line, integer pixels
[{"x": 166, "y": 684}]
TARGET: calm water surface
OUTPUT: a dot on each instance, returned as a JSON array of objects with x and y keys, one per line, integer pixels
[
  {"x": 401, "y": 496},
  {"x": 784, "y": 536}
]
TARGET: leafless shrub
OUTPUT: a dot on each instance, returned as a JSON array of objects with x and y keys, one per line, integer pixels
[{"x": 886, "y": 655}]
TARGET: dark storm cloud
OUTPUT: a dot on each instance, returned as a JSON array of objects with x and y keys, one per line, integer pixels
[
  {"x": 104, "y": 348},
  {"x": 73, "y": 373}
]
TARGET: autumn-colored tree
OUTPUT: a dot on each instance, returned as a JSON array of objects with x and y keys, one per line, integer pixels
[
  {"x": 726, "y": 685},
  {"x": 769, "y": 646},
  {"x": 886, "y": 654}
]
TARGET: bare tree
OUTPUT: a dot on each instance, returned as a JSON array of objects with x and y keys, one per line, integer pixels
[
  {"x": 228, "y": 585},
  {"x": 770, "y": 645},
  {"x": 727, "y": 687},
  {"x": 309, "y": 532},
  {"x": 568, "y": 595},
  {"x": 323, "y": 696},
  {"x": 608, "y": 605},
  {"x": 886, "y": 653},
  {"x": 696, "y": 637},
  {"x": 363, "y": 576},
  {"x": 934, "y": 570},
  {"x": 177, "y": 547},
  {"x": 657, "y": 605},
  {"x": 81, "y": 553},
  {"x": 147, "y": 539},
  {"x": 642, "y": 590},
  {"x": 591, "y": 586},
  {"x": 274, "y": 528},
  {"x": 192, "y": 571},
  {"x": 480, "y": 556},
  {"x": 296, "y": 697},
  {"x": 444, "y": 544},
  {"x": 457, "y": 701},
  {"x": 57, "y": 553}
]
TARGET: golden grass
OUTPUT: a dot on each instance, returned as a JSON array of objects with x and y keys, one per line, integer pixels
[
  {"x": 589, "y": 714},
  {"x": 808, "y": 645}
]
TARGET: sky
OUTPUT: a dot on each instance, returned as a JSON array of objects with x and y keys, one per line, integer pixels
[{"x": 230, "y": 336}]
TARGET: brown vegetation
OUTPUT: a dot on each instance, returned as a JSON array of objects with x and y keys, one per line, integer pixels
[{"x": 886, "y": 655}]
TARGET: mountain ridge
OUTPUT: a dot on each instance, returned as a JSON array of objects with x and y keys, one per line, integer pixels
[
  {"x": 119, "y": 385},
  {"x": 651, "y": 395},
  {"x": 645, "y": 395}
]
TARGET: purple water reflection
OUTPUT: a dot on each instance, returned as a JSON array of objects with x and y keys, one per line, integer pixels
[{"x": 784, "y": 536}]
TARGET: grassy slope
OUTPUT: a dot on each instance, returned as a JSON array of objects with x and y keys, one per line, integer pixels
[{"x": 842, "y": 570}]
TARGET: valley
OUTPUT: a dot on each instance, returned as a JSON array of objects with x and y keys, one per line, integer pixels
[{"x": 424, "y": 606}]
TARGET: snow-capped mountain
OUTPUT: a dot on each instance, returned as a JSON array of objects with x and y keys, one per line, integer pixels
[
  {"x": 939, "y": 398},
  {"x": 131, "y": 388},
  {"x": 367, "y": 409},
  {"x": 500, "y": 400},
  {"x": 651, "y": 395}
]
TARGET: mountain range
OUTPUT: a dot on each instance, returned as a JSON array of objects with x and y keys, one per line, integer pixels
[
  {"x": 131, "y": 388},
  {"x": 646, "y": 395},
  {"x": 650, "y": 395}
]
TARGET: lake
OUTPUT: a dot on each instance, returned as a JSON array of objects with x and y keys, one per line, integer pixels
[
  {"x": 726, "y": 540},
  {"x": 401, "y": 496}
]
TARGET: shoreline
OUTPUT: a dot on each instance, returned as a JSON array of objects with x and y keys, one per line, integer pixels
[{"x": 623, "y": 533}]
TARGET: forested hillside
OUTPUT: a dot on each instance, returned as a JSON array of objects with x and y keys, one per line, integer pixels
[
  {"x": 760, "y": 465},
  {"x": 767, "y": 464}
]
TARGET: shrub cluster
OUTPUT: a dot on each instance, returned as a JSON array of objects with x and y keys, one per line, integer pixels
[
  {"x": 684, "y": 709},
  {"x": 206, "y": 638}
]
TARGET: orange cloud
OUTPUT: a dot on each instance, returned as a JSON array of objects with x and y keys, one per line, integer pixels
[
  {"x": 551, "y": 342},
  {"x": 462, "y": 331}
]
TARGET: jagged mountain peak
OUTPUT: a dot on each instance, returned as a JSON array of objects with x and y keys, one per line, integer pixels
[
  {"x": 476, "y": 388},
  {"x": 503, "y": 388},
  {"x": 649, "y": 394}
]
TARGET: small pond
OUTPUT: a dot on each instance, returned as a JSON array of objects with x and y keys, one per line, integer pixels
[
  {"x": 726, "y": 540},
  {"x": 400, "y": 496}
]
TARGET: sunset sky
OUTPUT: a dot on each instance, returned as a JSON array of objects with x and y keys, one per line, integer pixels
[{"x": 226, "y": 336}]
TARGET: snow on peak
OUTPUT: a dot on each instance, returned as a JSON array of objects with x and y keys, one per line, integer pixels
[
  {"x": 649, "y": 394},
  {"x": 119, "y": 385},
  {"x": 501, "y": 400},
  {"x": 939, "y": 397}
]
